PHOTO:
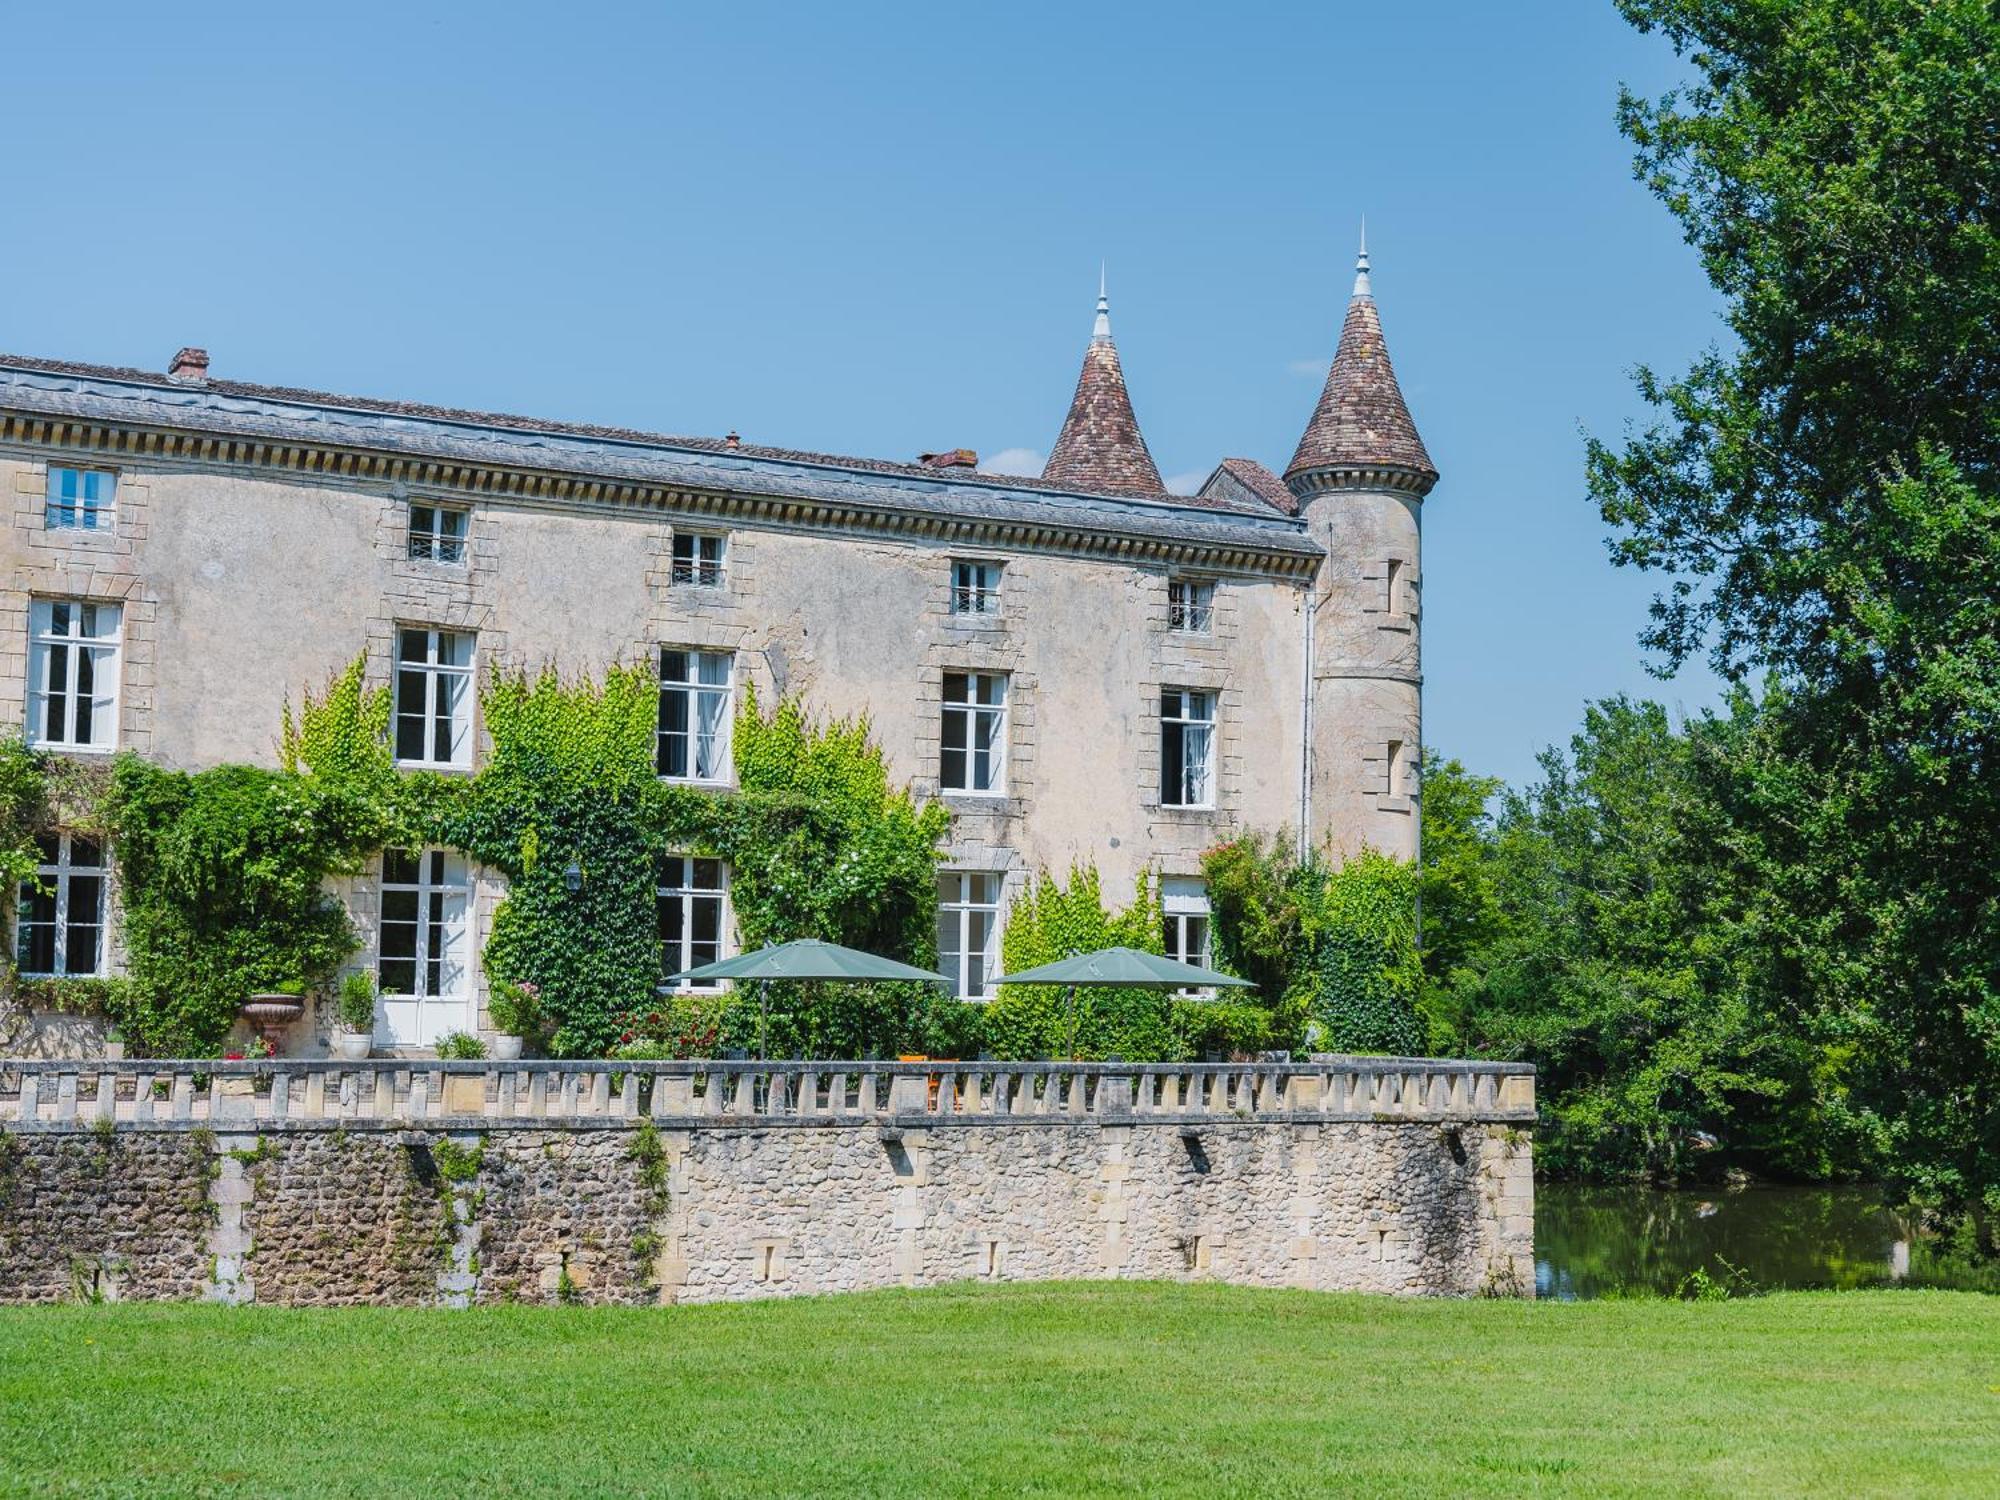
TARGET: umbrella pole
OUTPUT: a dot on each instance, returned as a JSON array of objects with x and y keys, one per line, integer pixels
[
  {"x": 1072, "y": 1023},
  {"x": 763, "y": 1015}
]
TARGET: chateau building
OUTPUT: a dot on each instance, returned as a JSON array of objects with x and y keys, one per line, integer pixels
[{"x": 1083, "y": 666}]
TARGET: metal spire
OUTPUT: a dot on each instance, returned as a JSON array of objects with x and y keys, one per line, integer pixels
[
  {"x": 1361, "y": 286},
  {"x": 1101, "y": 333}
]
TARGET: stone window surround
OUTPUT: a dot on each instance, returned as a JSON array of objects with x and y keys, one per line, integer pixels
[
  {"x": 684, "y": 575},
  {"x": 1375, "y": 769},
  {"x": 427, "y": 557},
  {"x": 106, "y": 515},
  {"x": 1389, "y": 592},
  {"x": 712, "y": 636},
  {"x": 94, "y": 566},
  {"x": 1226, "y": 744},
  {"x": 971, "y": 709}
]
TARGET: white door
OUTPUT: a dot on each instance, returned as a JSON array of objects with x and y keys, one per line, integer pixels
[{"x": 424, "y": 944}]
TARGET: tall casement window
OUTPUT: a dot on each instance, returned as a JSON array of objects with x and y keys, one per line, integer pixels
[
  {"x": 80, "y": 499},
  {"x": 437, "y": 533},
  {"x": 1190, "y": 605},
  {"x": 1184, "y": 916},
  {"x": 433, "y": 697},
  {"x": 73, "y": 674},
  {"x": 698, "y": 558},
  {"x": 975, "y": 588},
  {"x": 59, "y": 924},
  {"x": 1187, "y": 745},
  {"x": 424, "y": 943},
  {"x": 692, "y": 904},
  {"x": 975, "y": 733},
  {"x": 969, "y": 930},
  {"x": 695, "y": 688}
]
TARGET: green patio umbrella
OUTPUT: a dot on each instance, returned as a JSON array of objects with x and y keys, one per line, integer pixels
[
  {"x": 803, "y": 958},
  {"x": 1121, "y": 968}
]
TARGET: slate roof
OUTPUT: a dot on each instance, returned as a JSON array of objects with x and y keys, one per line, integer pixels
[
  {"x": 1361, "y": 420},
  {"x": 1100, "y": 447},
  {"x": 66, "y": 389}
]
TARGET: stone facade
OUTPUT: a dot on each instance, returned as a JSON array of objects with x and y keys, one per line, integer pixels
[
  {"x": 261, "y": 538},
  {"x": 333, "y": 1216}
]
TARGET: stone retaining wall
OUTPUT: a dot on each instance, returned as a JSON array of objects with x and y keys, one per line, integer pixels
[{"x": 632, "y": 1211}]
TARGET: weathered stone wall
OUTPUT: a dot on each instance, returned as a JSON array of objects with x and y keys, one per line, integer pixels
[
  {"x": 314, "y": 1216},
  {"x": 257, "y": 589},
  {"x": 105, "y": 1214}
]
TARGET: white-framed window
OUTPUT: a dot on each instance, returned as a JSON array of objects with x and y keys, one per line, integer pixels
[
  {"x": 433, "y": 697},
  {"x": 692, "y": 900},
  {"x": 1187, "y": 746},
  {"x": 975, "y": 588},
  {"x": 1184, "y": 914},
  {"x": 80, "y": 499},
  {"x": 698, "y": 558},
  {"x": 423, "y": 944},
  {"x": 975, "y": 733},
  {"x": 693, "y": 739},
  {"x": 73, "y": 674},
  {"x": 59, "y": 923},
  {"x": 968, "y": 930},
  {"x": 437, "y": 532},
  {"x": 1190, "y": 605}
]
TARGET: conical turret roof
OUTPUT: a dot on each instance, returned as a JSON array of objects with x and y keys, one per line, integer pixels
[
  {"x": 1100, "y": 447},
  {"x": 1362, "y": 425}
]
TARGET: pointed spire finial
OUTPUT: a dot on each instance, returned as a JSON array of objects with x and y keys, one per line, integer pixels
[
  {"x": 1101, "y": 332},
  {"x": 1361, "y": 286}
]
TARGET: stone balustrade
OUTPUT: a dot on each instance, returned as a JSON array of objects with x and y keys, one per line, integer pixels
[{"x": 402, "y": 1093}]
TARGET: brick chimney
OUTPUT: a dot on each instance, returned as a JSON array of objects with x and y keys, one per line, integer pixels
[
  {"x": 951, "y": 458},
  {"x": 190, "y": 365}
]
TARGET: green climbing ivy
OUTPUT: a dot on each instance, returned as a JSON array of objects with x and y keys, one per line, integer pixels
[
  {"x": 1335, "y": 944},
  {"x": 225, "y": 878}
]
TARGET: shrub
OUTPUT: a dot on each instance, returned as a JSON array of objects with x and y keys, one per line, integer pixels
[
  {"x": 357, "y": 1000},
  {"x": 516, "y": 1007},
  {"x": 460, "y": 1046}
]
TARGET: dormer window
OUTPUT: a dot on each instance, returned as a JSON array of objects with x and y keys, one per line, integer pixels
[
  {"x": 1190, "y": 605},
  {"x": 975, "y": 588},
  {"x": 698, "y": 558},
  {"x": 437, "y": 533}
]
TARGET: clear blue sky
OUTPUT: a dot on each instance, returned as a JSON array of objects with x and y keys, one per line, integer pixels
[{"x": 876, "y": 230}]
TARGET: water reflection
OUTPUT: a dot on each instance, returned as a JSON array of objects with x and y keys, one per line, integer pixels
[{"x": 1603, "y": 1241}]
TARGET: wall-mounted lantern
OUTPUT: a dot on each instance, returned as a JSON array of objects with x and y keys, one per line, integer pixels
[{"x": 573, "y": 877}]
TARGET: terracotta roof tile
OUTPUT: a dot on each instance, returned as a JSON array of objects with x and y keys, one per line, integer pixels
[
  {"x": 1361, "y": 420},
  {"x": 1246, "y": 478},
  {"x": 1100, "y": 447}
]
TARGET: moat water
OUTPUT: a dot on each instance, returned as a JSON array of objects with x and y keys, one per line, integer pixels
[{"x": 1610, "y": 1241}]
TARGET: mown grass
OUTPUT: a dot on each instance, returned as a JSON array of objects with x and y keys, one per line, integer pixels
[{"x": 1100, "y": 1388}]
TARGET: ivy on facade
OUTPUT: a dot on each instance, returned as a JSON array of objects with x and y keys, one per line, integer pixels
[{"x": 224, "y": 879}]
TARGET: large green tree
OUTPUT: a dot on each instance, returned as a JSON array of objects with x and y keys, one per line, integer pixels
[{"x": 1822, "y": 493}]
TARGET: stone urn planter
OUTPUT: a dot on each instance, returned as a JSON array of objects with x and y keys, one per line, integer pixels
[
  {"x": 352, "y": 1046},
  {"x": 272, "y": 1012},
  {"x": 506, "y": 1048}
]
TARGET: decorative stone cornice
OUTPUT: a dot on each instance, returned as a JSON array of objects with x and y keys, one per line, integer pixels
[
  {"x": 1416, "y": 482},
  {"x": 478, "y": 465}
]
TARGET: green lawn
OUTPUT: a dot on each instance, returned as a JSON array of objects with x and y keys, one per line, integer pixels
[{"x": 1072, "y": 1389}]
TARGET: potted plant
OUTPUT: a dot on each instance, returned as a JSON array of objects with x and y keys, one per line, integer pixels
[
  {"x": 516, "y": 1009},
  {"x": 357, "y": 1015}
]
